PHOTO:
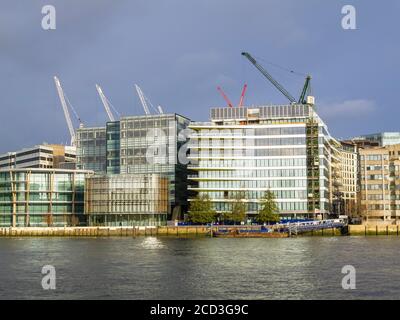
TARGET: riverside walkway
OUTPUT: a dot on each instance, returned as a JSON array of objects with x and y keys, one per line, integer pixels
[{"x": 294, "y": 228}]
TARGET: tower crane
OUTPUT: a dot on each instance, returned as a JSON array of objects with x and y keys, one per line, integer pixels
[
  {"x": 142, "y": 99},
  {"x": 270, "y": 78},
  {"x": 229, "y": 101},
  {"x": 104, "y": 100},
  {"x": 242, "y": 95},
  {"x": 146, "y": 102},
  {"x": 304, "y": 97},
  {"x": 225, "y": 97},
  {"x": 61, "y": 95}
]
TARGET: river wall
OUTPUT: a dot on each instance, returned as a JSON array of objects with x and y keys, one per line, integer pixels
[{"x": 181, "y": 231}]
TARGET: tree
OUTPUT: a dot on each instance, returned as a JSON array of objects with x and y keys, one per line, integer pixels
[
  {"x": 239, "y": 208},
  {"x": 269, "y": 211},
  {"x": 201, "y": 210}
]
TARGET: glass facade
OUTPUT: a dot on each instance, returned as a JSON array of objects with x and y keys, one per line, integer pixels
[
  {"x": 284, "y": 149},
  {"x": 91, "y": 150},
  {"x": 113, "y": 147},
  {"x": 42, "y": 197},
  {"x": 150, "y": 144},
  {"x": 126, "y": 200},
  {"x": 139, "y": 145}
]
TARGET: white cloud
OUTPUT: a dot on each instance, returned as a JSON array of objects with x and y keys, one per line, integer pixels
[{"x": 347, "y": 108}]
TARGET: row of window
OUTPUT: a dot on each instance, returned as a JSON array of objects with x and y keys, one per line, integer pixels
[
  {"x": 255, "y": 207},
  {"x": 242, "y": 163},
  {"x": 225, "y": 142},
  {"x": 252, "y": 131},
  {"x": 374, "y": 157},
  {"x": 250, "y": 152},
  {"x": 251, "y": 184},
  {"x": 374, "y": 168},
  {"x": 150, "y": 123},
  {"x": 253, "y": 195}
]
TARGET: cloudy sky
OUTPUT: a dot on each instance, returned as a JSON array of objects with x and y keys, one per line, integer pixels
[{"x": 178, "y": 51}]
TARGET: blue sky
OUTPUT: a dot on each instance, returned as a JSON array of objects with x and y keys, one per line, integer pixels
[{"x": 180, "y": 51}]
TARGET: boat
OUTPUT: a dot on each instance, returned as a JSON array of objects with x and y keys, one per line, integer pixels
[{"x": 248, "y": 233}]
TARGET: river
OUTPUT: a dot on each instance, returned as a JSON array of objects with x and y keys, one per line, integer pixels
[{"x": 200, "y": 268}]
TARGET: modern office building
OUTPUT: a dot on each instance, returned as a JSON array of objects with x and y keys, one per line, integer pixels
[
  {"x": 40, "y": 156},
  {"x": 152, "y": 144},
  {"x": 383, "y": 138},
  {"x": 91, "y": 151},
  {"x": 282, "y": 148},
  {"x": 380, "y": 184},
  {"x": 126, "y": 199},
  {"x": 140, "y": 145},
  {"x": 42, "y": 197}
]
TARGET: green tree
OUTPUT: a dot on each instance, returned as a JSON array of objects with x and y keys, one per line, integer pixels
[
  {"x": 201, "y": 210},
  {"x": 269, "y": 211},
  {"x": 239, "y": 208}
]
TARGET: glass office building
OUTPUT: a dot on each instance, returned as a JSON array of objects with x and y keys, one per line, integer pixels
[
  {"x": 151, "y": 144},
  {"x": 126, "y": 200},
  {"x": 281, "y": 148},
  {"x": 91, "y": 151},
  {"x": 42, "y": 197},
  {"x": 140, "y": 145}
]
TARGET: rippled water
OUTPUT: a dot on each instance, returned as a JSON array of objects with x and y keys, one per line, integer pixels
[{"x": 200, "y": 268}]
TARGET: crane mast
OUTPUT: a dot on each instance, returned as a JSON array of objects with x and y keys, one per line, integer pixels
[
  {"x": 65, "y": 109},
  {"x": 142, "y": 99},
  {"x": 270, "y": 78},
  {"x": 105, "y": 103}
]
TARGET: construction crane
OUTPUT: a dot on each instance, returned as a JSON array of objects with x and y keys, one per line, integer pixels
[
  {"x": 242, "y": 95},
  {"x": 229, "y": 101},
  {"x": 225, "y": 97},
  {"x": 142, "y": 99},
  {"x": 62, "y": 97},
  {"x": 270, "y": 78},
  {"x": 304, "y": 98},
  {"x": 104, "y": 100}
]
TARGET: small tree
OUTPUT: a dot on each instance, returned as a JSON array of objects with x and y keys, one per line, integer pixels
[
  {"x": 201, "y": 210},
  {"x": 269, "y": 209},
  {"x": 239, "y": 208}
]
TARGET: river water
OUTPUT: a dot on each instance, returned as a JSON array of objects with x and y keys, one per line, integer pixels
[{"x": 200, "y": 268}]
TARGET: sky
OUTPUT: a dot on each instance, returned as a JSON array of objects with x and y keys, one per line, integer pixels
[{"x": 179, "y": 51}]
